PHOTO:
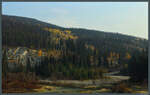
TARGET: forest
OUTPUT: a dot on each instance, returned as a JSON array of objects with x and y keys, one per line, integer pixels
[{"x": 73, "y": 54}]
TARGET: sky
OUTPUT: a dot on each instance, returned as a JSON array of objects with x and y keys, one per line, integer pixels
[{"x": 129, "y": 18}]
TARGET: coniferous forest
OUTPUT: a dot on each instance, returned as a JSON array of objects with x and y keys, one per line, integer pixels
[{"x": 34, "y": 50}]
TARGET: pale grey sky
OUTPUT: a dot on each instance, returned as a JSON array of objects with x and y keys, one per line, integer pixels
[{"x": 123, "y": 17}]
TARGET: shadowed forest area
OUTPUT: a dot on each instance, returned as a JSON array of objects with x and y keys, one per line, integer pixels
[{"x": 42, "y": 57}]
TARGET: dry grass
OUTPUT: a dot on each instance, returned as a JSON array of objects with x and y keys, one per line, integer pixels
[
  {"x": 60, "y": 84},
  {"x": 104, "y": 90},
  {"x": 91, "y": 87},
  {"x": 87, "y": 91},
  {"x": 19, "y": 83},
  {"x": 122, "y": 88},
  {"x": 45, "y": 88},
  {"x": 143, "y": 92}
]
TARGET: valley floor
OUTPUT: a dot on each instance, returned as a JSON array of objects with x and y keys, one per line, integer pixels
[
  {"x": 110, "y": 84},
  {"x": 90, "y": 86}
]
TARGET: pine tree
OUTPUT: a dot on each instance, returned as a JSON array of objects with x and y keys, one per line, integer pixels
[{"x": 5, "y": 63}]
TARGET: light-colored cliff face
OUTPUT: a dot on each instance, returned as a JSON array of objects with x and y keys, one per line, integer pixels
[{"x": 22, "y": 55}]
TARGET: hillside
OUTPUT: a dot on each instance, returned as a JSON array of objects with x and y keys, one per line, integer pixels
[
  {"x": 85, "y": 50},
  {"x": 25, "y": 27},
  {"x": 47, "y": 57}
]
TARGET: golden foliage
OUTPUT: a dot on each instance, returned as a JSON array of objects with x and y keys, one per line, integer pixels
[
  {"x": 90, "y": 47},
  {"x": 40, "y": 53},
  {"x": 128, "y": 56},
  {"x": 54, "y": 53},
  {"x": 65, "y": 35},
  {"x": 113, "y": 57},
  {"x": 67, "y": 31},
  {"x": 58, "y": 35}
]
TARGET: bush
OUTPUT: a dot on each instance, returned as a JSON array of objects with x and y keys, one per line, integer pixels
[
  {"x": 19, "y": 82},
  {"x": 121, "y": 88}
]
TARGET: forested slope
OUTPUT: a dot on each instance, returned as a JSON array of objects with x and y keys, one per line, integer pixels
[{"x": 76, "y": 50}]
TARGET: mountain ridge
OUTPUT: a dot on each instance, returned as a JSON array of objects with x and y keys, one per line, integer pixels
[
  {"x": 46, "y": 24},
  {"x": 28, "y": 32}
]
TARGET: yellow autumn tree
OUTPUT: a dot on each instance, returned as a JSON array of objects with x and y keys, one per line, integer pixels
[
  {"x": 40, "y": 53},
  {"x": 91, "y": 47},
  {"x": 128, "y": 56},
  {"x": 118, "y": 56},
  {"x": 54, "y": 53},
  {"x": 67, "y": 31},
  {"x": 64, "y": 35},
  {"x": 92, "y": 60}
]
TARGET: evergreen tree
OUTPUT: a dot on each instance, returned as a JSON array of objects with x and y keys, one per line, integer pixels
[{"x": 5, "y": 63}]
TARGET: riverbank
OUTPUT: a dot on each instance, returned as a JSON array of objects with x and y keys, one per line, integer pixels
[
  {"x": 109, "y": 84},
  {"x": 76, "y": 86}
]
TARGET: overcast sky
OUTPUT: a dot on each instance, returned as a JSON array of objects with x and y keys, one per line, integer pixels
[{"x": 121, "y": 17}]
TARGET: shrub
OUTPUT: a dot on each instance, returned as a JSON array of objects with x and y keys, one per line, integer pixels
[{"x": 121, "y": 88}]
